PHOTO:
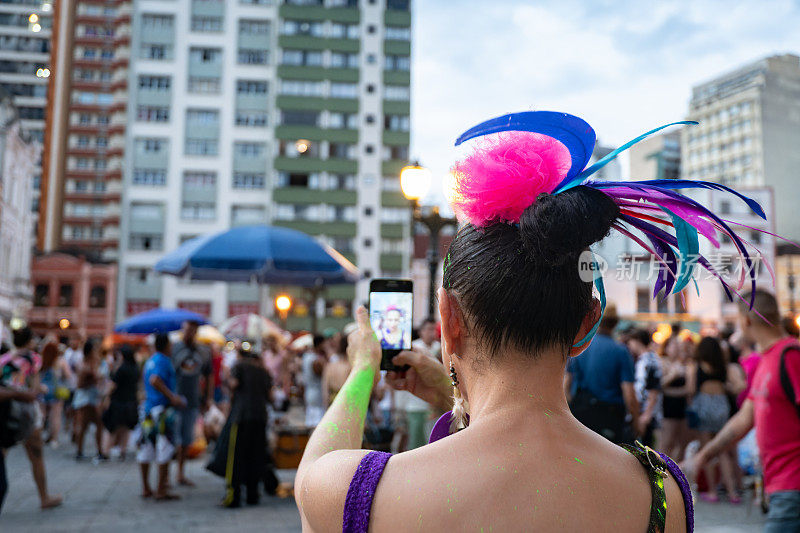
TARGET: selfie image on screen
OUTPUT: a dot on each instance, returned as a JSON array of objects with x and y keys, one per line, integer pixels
[{"x": 390, "y": 315}]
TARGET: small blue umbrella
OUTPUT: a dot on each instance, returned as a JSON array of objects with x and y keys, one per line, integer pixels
[
  {"x": 158, "y": 321},
  {"x": 261, "y": 254}
]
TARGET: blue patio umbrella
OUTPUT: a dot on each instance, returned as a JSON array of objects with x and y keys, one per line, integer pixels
[
  {"x": 158, "y": 321},
  {"x": 260, "y": 254}
]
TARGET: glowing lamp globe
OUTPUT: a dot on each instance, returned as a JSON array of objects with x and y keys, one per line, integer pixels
[
  {"x": 415, "y": 181},
  {"x": 63, "y": 323},
  {"x": 797, "y": 321},
  {"x": 283, "y": 303}
]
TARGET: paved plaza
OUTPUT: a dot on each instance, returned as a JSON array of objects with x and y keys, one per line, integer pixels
[{"x": 105, "y": 497}]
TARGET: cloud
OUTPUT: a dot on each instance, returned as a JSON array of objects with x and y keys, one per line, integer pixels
[{"x": 624, "y": 66}]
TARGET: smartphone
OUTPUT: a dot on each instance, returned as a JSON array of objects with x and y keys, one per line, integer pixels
[{"x": 390, "y": 307}]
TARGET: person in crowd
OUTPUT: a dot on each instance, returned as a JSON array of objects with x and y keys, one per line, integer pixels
[
  {"x": 221, "y": 397},
  {"x": 674, "y": 434},
  {"x": 647, "y": 382},
  {"x": 157, "y": 427},
  {"x": 191, "y": 361},
  {"x": 55, "y": 377},
  {"x": 707, "y": 376},
  {"x": 276, "y": 360},
  {"x": 336, "y": 369},
  {"x": 87, "y": 399},
  {"x": 772, "y": 407},
  {"x": 19, "y": 369},
  {"x": 313, "y": 365},
  {"x": 418, "y": 411},
  {"x": 7, "y": 395},
  {"x": 601, "y": 382},
  {"x": 122, "y": 414},
  {"x": 73, "y": 355},
  {"x": 251, "y": 386}
]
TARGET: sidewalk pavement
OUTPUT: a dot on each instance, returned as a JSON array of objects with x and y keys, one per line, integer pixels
[{"x": 105, "y": 498}]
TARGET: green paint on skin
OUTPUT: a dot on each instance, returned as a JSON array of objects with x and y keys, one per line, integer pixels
[
  {"x": 357, "y": 392},
  {"x": 578, "y": 460}
]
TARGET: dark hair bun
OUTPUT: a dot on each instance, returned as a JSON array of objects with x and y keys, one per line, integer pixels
[{"x": 557, "y": 228}]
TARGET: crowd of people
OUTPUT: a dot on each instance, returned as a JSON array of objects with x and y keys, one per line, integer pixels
[
  {"x": 168, "y": 399},
  {"x": 675, "y": 396}
]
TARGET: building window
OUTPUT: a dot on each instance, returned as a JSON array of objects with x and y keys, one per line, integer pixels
[
  {"x": 156, "y": 52},
  {"x": 300, "y": 118},
  {"x": 396, "y": 92},
  {"x": 396, "y": 152},
  {"x": 342, "y": 182},
  {"x": 253, "y": 119},
  {"x": 344, "y": 60},
  {"x": 247, "y": 214},
  {"x": 65, "y": 295},
  {"x": 198, "y": 210},
  {"x": 205, "y": 117},
  {"x": 399, "y": 63},
  {"x": 152, "y": 114},
  {"x": 302, "y": 88},
  {"x": 397, "y": 5},
  {"x": 249, "y": 180},
  {"x": 205, "y": 147},
  {"x": 344, "y": 31},
  {"x": 206, "y": 24},
  {"x": 154, "y": 83},
  {"x": 205, "y": 55},
  {"x": 642, "y": 300},
  {"x": 396, "y": 122},
  {"x": 41, "y": 295},
  {"x": 257, "y": 87},
  {"x": 301, "y": 58},
  {"x": 344, "y": 90},
  {"x": 200, "y": 181},
  {"x": 150, "y": 146},
  {"x": 341, "y": 151},
  {"x": 200, "y": 85},
  {"x": 97, "y": 297},
  {"x": 162, "y": 22},
  {"x": 725, "y": 208},
  {"x": 248, "y": 149},
  {"x": 394, "y": 215},
  {"x": 342, "y": 121},
  {"x": 146, "y": 241},
  {"x": 302, "y": 27},
  {"x": 150, "y": 177},
  {"x": 398, "y": 33},
  {"x": 252, "y": 56}
]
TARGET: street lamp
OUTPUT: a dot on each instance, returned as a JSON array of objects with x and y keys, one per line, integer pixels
[
  {"x": 415, "y": 181},
  {"x": 283, "y": 303},
  {"x": 63, "y": 323}
]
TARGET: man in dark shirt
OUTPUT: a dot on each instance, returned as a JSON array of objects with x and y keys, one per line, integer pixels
[
  {"x": 600, "y": 383},
  {"x": 191, "y": 361}
]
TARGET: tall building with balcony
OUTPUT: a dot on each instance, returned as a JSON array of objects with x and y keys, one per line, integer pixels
[
  {"x": 85, "y": 141},
  {"x": 749, "y": 132},
  {"x": 292, "y": 113},
  {"x": 25, "y": 33}
]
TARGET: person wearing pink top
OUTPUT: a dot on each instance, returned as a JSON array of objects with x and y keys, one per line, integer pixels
[{"x": 773, "y": 408}]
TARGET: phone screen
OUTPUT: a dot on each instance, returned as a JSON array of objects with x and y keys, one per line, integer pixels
[{"x": 390, "y": 316}]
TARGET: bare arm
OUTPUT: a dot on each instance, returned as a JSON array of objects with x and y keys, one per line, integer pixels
[
  {"x": 334, "y": 449},
  {"x": 161, "y": 387}
]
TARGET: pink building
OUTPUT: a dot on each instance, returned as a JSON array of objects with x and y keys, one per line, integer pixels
[{"x": 68, "y": 287}]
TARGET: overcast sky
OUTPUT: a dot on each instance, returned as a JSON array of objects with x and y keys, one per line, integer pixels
[{"x": 624, "y": 66}]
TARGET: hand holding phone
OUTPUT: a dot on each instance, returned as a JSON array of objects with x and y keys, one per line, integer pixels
[{"x": 390, "y": 309}]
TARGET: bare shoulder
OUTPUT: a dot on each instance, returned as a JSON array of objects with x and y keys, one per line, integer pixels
[{"x": 324, "y": 487}]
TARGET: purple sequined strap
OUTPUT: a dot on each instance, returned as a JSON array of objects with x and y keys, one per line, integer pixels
[
  {"x": 686, "y": 491},
  {"x": 358, "y": 504}
]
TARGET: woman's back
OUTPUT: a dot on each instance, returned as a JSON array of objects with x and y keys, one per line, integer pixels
[{"x": 543, "y": 473}]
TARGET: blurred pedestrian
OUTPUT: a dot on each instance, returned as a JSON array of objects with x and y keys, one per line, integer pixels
[
  {"x": 157, "y": 428},
  {"x": 191, "y": 361},
  {"x": 19, "y": 369},
  {"x": 87, "y": 399},
  {"x": 55, "y": 378},
  {"x": 601, "y": 382},
  {"x": 336, "y": 369},
  {"x": 773, "y": 408},
  {"x": 647, "y": 382},
  {"x": 313, "y": 366},
  {"x": 674, "y": 434},
  {"x": 7, "y": 395},
  {"x": 707, "y": 375},
  {"x": 247, "y": 465},
  {"x": 122, "y": 414}
]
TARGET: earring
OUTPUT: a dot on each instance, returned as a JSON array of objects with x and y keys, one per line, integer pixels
[{"x": 459, "y": 418}]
